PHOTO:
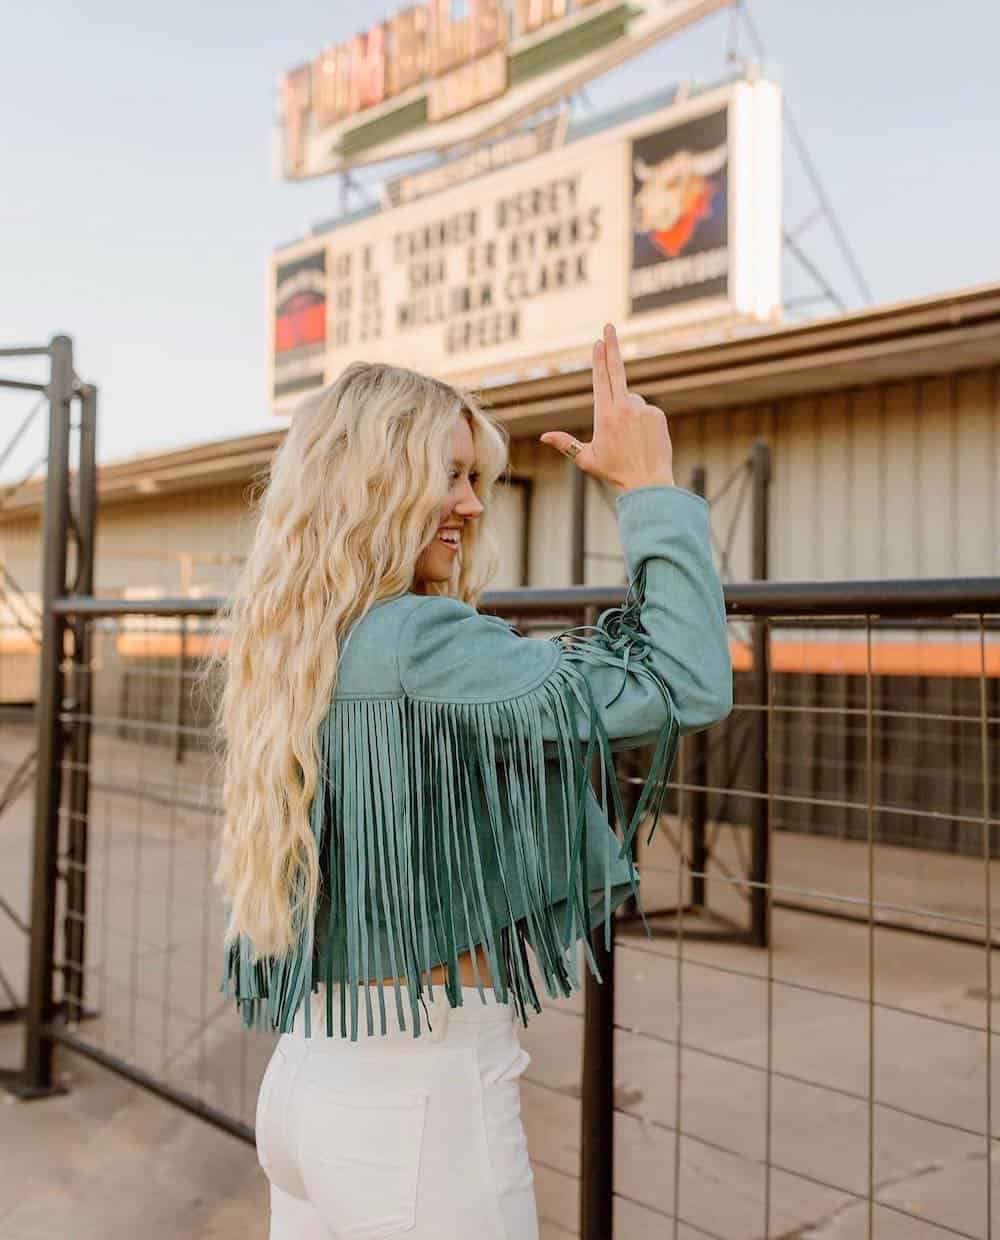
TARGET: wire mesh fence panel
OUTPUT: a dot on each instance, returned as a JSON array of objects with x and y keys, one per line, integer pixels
[
  {"x": 154, "y": 921},
  {"x": 835, "y": 1082},
  {"x": 23, "y": 456},
  {"x": 839, "y": 1082}
]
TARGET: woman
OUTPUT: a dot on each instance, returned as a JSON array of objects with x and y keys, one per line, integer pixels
[{"x": 407, "y": 791}]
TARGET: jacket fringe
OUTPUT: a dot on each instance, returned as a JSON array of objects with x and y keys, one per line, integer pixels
[{"x": 475, "y": 778}]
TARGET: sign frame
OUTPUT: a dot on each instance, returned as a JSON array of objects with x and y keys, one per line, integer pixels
[
  {"x": 753, "y": 239},
  {"x": 374, "y": 136}
]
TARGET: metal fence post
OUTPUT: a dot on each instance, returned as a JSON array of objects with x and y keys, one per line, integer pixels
[
  {"x": 597, "y": 1084},
  {"x": 598, "y": 1069},
  {"x": 597, "y": 1095},
  {"x": 578, "y": 524},
  {"x": 180, "y": 712},
  {"x": 759, "y": 825},
  {"x": 597, "y": 1112},
  {"x": 48, "y": 786},
  {"x": 79, "y": 780},
  {"x": 698, "y": 774}
]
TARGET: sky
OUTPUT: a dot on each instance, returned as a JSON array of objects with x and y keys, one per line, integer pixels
[{"x": 138, "y": 206}]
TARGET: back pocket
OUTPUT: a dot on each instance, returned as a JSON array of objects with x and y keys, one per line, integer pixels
[{"x": 359, "y": 1154}]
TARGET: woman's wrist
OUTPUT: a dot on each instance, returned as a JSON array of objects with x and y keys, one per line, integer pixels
[{"x": 663, "y": 479}]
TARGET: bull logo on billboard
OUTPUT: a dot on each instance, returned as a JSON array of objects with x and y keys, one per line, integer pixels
[
  {"x": 675, "y": 195},
  {"x": 680, "y": 213}
]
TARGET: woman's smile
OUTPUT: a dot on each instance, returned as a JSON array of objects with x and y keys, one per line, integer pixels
[{"x": 450, "y": 537}]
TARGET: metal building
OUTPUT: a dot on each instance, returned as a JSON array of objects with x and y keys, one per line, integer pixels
[{"x": 883, "y": 434}]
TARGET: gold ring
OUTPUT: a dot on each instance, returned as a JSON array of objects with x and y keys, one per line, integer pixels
[{"x": 573, "y": 450}]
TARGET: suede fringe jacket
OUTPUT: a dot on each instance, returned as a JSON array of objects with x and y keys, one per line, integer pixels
[{"x": 455, "y": 805}]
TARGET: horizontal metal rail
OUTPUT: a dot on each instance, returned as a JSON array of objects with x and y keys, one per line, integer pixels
[
  {"x": 24, "y": 385},
  {"x": 92, "y": 607},
  {"x": 917, "y": 596},
  {"x": 27, "y": 350},
  {"x": 57, "y": 1032},
  {"x": 898, "y": 597}
]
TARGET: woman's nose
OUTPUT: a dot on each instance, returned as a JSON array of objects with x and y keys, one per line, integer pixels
[{"x": 469, "y": 505}]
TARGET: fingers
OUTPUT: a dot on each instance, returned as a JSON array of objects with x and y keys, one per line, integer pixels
[
  {"x": 562, "y": 442},
  {"x": 616, "y": 367},
  {"x": 602, "y": 384},
  {"x": 581, "y": 454}
]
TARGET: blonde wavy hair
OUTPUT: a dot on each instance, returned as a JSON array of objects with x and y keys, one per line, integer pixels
[{"x": 353, "y": 497}]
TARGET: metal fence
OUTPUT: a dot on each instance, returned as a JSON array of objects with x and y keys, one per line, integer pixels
[
  {"x": 803, "y": 1042},
  {"x": 47, "y": 373}
]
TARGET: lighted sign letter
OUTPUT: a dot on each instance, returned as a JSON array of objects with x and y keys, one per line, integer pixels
[
  {"x": 331, "y": 85},
  {"x": 406, "y": 49},
  {"x": 534, "y": 14},
  {"x": 489, "y": 26},
  {"x": 295, "y": 95},
  {"x": 367, "y": 69},
  {"x": 451, "y": 42}
]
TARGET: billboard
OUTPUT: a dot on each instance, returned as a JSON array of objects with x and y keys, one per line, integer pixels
[
  {"x": 299, "y": 298},
  {"x": 441, "y": 73},
  {"x": 667, "y": 223}
]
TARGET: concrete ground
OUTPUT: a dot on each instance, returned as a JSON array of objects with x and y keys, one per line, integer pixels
[{"x": 769, "y": 1087}]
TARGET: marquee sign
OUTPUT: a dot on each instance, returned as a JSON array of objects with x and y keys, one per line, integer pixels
[
  {"x": 664, "y": 224},
  {"x": 432, "y": 76}
]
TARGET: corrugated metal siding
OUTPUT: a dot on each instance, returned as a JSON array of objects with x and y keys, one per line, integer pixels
[
  {"x": 141, "y": 544},
  {"x": 892, "y": 480},
  {"x": 510, "y": 535},
  {"x": 19, "y": 662},
  {"x": 895, "y": 480},
  {"x": 549, "y": 533}
]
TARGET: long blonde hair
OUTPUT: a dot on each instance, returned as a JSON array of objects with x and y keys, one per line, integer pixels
[{"x": 354, "y": 495}]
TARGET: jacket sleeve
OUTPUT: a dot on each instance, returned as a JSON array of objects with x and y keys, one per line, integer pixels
[
  {"x": 662, "y": 656},
  {"x": 648, "y": 671}
]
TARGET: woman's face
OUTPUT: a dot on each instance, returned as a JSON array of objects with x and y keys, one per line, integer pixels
[{"x": 459, "y": 510}]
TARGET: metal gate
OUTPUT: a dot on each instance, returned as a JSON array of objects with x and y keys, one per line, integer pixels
[{"x": 183, "y": 1042}]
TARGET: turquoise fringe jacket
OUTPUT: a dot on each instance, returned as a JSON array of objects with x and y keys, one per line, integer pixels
[{"x": 455, "y": 806}]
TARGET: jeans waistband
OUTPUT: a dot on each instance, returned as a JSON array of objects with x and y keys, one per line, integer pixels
[{"x": 438, "y": 1019}]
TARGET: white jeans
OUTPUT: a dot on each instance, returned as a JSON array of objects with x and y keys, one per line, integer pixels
[{"x": 393, "y": 1135}]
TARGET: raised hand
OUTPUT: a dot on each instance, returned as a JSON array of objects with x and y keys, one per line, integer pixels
[{"x": 630, "y": 446}]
